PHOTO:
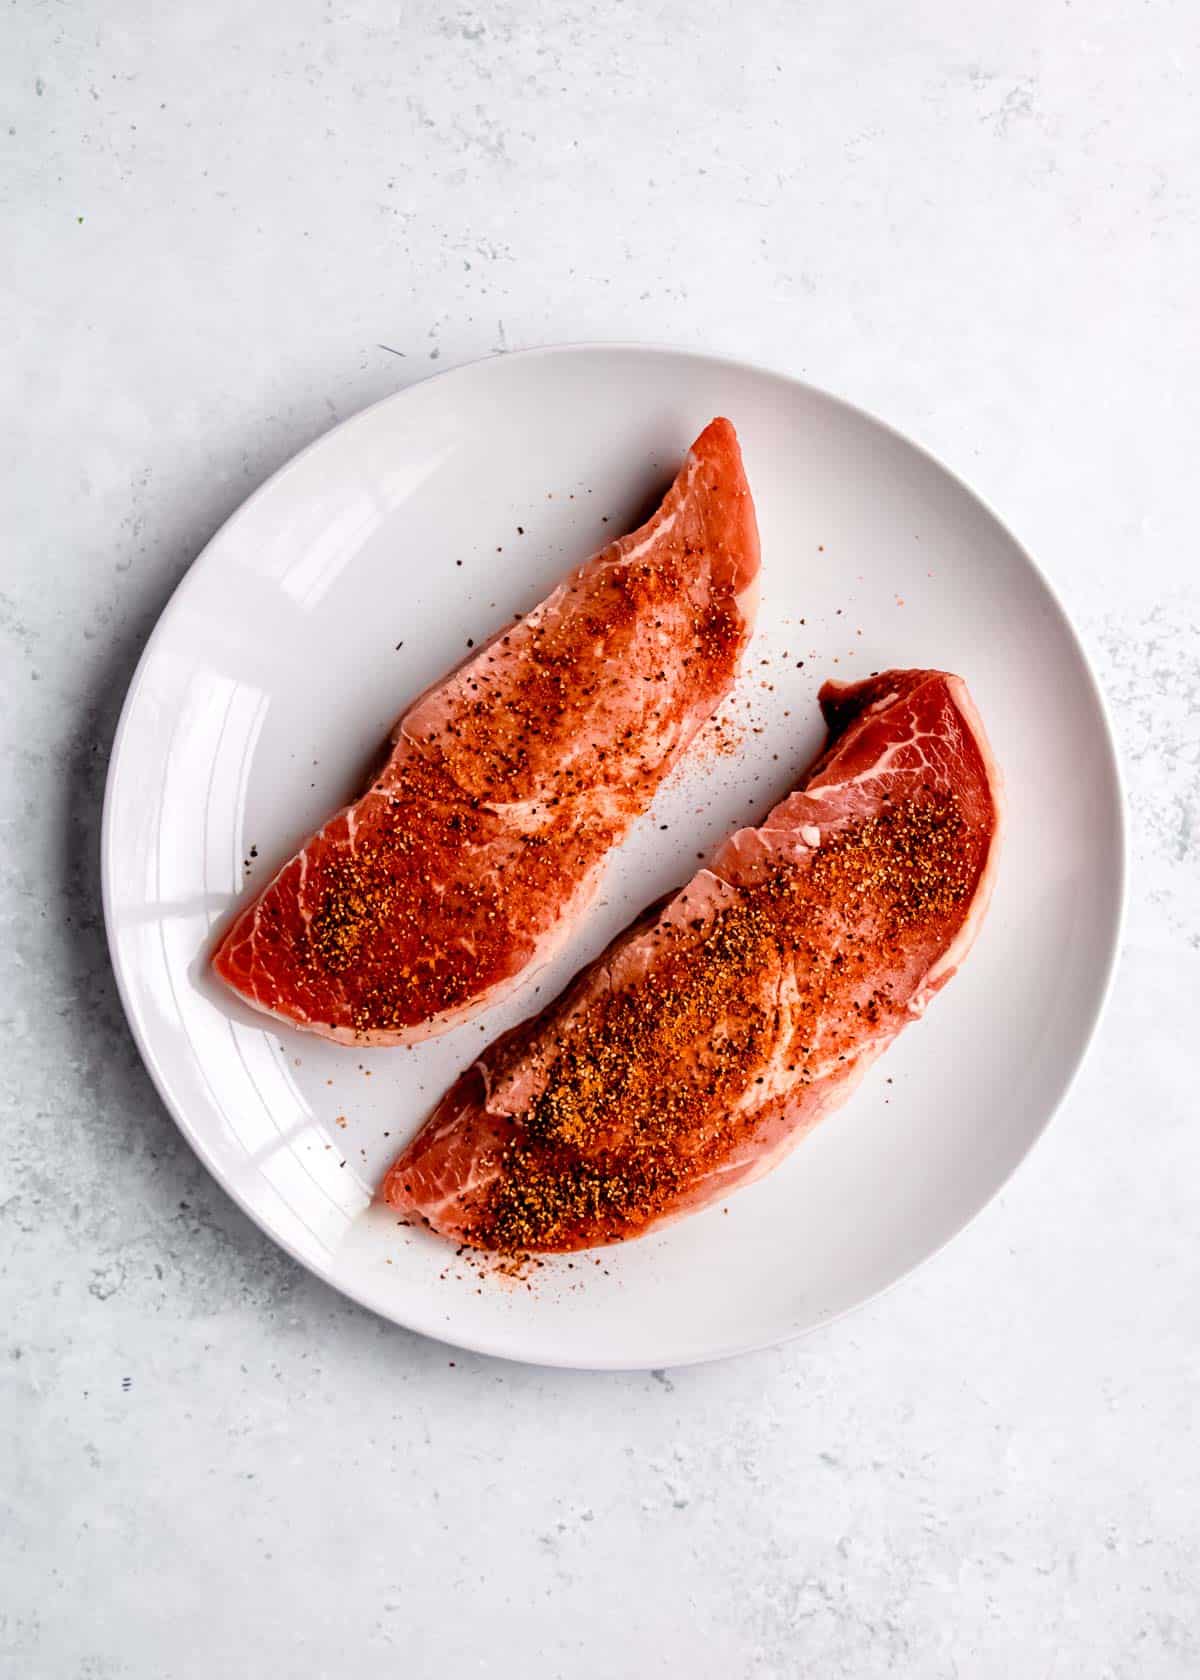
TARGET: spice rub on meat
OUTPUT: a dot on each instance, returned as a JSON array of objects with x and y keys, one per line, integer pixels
[
  {"x": 719, "y": 1029},
  {"x": 475, "y": 849}
]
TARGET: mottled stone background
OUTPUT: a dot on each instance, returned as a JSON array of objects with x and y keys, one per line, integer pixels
[{"x": 982, "y": 221}]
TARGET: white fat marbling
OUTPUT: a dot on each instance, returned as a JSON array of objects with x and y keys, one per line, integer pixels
[{"x": 226, "y": 226}]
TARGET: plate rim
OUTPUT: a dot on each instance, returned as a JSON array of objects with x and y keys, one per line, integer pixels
[{"x": 487, "y": 1346}]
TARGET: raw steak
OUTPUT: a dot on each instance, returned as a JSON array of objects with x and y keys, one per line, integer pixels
[
  {"x": 477, "y": 847},
  {"x": 714, "y": 1033}
]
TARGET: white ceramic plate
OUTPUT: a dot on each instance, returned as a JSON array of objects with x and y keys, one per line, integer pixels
[{"x": 275, "y": 673}]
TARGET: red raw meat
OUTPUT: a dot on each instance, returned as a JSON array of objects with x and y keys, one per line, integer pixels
[
  {"x": 714, "y": 1033},
  {"x": 478, "y": 846}
]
